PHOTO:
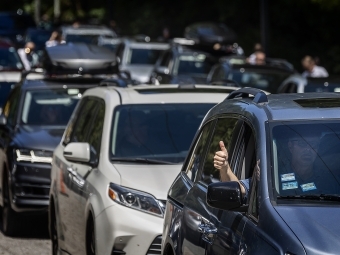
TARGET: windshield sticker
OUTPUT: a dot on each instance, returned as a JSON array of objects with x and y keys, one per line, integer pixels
[
  {"x": 287, "y": 177},
  {"x": 308, "y": 186},
  {"x": 289, "y": 185}
]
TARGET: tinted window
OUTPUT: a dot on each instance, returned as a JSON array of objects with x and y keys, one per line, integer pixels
[
  {"x": 9, "y": 59},
  {"x": 12, "y": 105},
  {"x": 306, "y": 158},
  {"x": 91, "y": 39},
  {"x": 84, "y": 121},
  {"x": 96, "y": 132},
  {"x": 5, "y": 89},
  {"x": 197, "y": 156},
  {"x": 166, "y": 59},
  {"x": 194, "y": 64},
  {"x": 143, "y": 56},
  {"x": 49, "y": 106},
  {"x": 223, "y": 132},
  {"x": 156, "y": 131}
]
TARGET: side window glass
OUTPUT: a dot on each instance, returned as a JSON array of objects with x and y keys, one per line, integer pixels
[
  {"x": 218, "y": 74},
  {"x": 95, "y": 135},
  {"x": 224, "y": 130},
  {"x": 73, "y": 120},
  {"x": 11, "y": 106},
  {"x": 197, "y": 155},
  {"x": 84, "y": 121},
  {"x": 166, "y": 59}
]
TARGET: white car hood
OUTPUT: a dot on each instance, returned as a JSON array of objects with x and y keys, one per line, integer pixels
[{"x": 153, "y": 179}]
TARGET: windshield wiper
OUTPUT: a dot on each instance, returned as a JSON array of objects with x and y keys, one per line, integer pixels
[
  {"x": 142, "y": 160},
  {"x": 319, "y": 197}
]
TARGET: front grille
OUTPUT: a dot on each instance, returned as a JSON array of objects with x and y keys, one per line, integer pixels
[{"x": 155, "y": 247}]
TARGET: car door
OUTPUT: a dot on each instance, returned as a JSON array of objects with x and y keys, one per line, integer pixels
[
  {"x": 82, "y": 187},
  {"x": 70, "y": 176},
  {"x": 230, "y": 224},
  {"x": 197, "y": 214}
]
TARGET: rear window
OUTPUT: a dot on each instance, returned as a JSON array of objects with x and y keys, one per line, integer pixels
[
  {"x": 143, "y": 56},
  {"x": 196, "y": 64}
]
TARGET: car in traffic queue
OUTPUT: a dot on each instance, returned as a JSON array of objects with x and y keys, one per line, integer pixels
[
  {"x": 181, "y": 64},
  {"x": 269, "y": 76},
  {"x": 283, "y": 153},
  {"x": 298, "y": 84},
  {"x": 119, "y": 154},
  {"x": 138, "y": 56},
  {"x": 32, "y": 123}
]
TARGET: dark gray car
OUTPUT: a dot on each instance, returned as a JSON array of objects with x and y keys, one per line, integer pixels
[{"x": 284, "y": 151}]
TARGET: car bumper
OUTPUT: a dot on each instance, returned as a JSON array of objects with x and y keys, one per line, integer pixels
[
  {"x": 124, "y": 229},
  {"x": 30, "y": 185}
]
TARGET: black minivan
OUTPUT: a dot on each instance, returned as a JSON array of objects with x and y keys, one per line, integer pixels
[{"x": 284, "y": 154}]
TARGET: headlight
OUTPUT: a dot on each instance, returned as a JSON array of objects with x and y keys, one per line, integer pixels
[
  {"x": 33, "y": 156},
  {"x": 136, "y": 200}
]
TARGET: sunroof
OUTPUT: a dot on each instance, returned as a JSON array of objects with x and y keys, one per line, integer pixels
[
  {"x": 319, "y": 102},
  {"x": 181, "y": 90}
]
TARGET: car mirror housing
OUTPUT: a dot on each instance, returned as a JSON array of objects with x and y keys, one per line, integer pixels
[
  {"x": 225, "y": 196},
  {"x": 77, "y": 152},
  {"x": 3, "y": 120}
]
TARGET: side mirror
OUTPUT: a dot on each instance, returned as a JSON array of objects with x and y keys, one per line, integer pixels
[
  {"x": 3, "y": 120},
  {"x": 226, "y": 196},
  {"x": 77, "y": 152}
]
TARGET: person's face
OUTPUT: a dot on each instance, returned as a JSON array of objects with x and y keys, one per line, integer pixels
[
  {"x": 307, "y": 64},
  {"x": 303, "y": 150},
  {"x": 260, "y": 59}
]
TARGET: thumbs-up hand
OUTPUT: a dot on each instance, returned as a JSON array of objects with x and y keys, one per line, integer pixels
[{"x": 221, "y": 157}]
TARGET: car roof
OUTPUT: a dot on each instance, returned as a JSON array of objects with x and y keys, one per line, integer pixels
[
  {"x": 146, "y": 45},
  {"x": 285, "y": 107},
  {"x": 144, "y": 94}
]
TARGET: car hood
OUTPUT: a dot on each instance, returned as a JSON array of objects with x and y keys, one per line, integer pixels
[
  {"x": 140, "y": 72},
  {"x": 153, "y": 179},
  {"x": 38, "y": 137},
  {"x": 317, "y": 228}
]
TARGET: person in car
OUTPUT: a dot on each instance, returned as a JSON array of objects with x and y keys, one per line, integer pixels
[
  {"x": 311, "y": 69},
  {"x": 50, "y": 115},
  {"x": 28, "y": 56},
  {"x": 55, "y": 39},
  {"x": 303, "y": 176}
]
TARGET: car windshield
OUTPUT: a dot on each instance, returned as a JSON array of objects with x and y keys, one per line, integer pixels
[
  {"x": 9, "y": 59},
  {"x": 50, "y": 106},
  {"x": 261, "y": 79},
  {"x": 196, "y": 64},
  {"x": 306, "y": 158},
  {"x": 143, "y": 56},
  {"x": 155, "y": 131}
]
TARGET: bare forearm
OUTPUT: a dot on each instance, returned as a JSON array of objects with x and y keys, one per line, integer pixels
[{"x": 226, "y": 175}]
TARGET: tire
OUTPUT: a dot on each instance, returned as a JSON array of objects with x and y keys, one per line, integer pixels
[
  {"x": 90, "y": 237},
  {"x": 10, "y": 219},
  {"x": 54, "y": 231}
]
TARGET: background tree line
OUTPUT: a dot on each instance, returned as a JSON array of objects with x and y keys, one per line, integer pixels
[{"x": 296, "y": 28}]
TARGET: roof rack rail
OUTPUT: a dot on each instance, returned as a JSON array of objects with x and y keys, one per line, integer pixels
[
  {"x": 259, "y": 95},
  {"x": 25, "y": 73}
]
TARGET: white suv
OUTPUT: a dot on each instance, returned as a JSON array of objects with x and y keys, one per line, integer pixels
[{"x": 120, "y": 152}]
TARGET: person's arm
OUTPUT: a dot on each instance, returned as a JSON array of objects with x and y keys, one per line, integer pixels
[{"x": 221, "y": 163}]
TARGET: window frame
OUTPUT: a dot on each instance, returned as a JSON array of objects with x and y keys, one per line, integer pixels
[{"x": 196, "y": 140}]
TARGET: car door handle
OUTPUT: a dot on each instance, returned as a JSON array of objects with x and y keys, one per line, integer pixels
[{"x": 208, "y": 231}]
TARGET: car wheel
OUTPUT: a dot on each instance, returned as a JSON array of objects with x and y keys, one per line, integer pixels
[
  {"x": 90, "y": 237},
  {"x": 54, "y": 232},
  {"x": 10, "y": 219}
]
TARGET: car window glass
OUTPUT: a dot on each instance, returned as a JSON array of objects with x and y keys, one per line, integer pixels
[
  {"x": 218, "y": 74},
  {"x": 12, "y": 105},
  {"x": 197, "y": 156},
  {"x": 73, "y": 120},
  {"x": 224, "y": 130},
  {"x": 95, "y": 135},
  {"x": 84, "y": 121},
  {"x": 166, "y": 59}
]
